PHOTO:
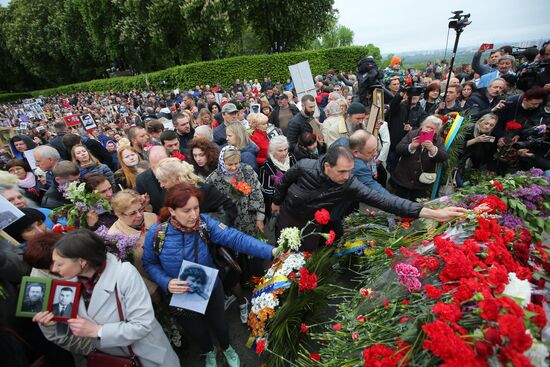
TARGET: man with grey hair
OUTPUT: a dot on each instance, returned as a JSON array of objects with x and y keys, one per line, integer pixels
[
  {"x": 46, "y": 158},
  {"x": 504, "y": 67},
  {"x": 147, "y": 183},
  {"x": 336, "y": 128}
]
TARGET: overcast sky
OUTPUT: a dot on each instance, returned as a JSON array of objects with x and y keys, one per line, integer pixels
[
  {"x": 411, "y": 25},
  {"x": 407, "y": 25}
]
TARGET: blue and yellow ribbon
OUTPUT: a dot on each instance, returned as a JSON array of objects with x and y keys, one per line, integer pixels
[
  {"x": 351, "y": 247},
  {"x": 277, "y": 282},
  {"x": 455, "y": 127}
]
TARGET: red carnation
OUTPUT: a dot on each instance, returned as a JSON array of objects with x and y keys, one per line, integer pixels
[
  {"x": 447, "y": 312},
  {"x": 379, "y": 355},
  {"x": 389, "y": 253},
  {"x": 497, "y": 185},
  {"x": 432, "y": 292},
  {"x": 331, "y": 237},
  {"x": 403, "y": 319},
  {"x": 303, "y": 328},
  {"x": 178, "y": 155},
  {"x": 489, "y": 309},
  {"x": 322, "y": 216},
  {"x": 337, "y": 327},
  {"x": 513, "y": 126},
  {"x": 405, "y": 302},
  {"x": 540, "y": 318},
  {"x": 513, "y": 327},
  {"x": 444, "y": 343},
  {"x": 260, "y": 346},
  {"x": 315, "y": 357},
  {"x": 308, "y": 281}
]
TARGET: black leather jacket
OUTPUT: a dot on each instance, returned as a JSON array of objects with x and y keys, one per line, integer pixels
[{"x": 305, "y": 188}]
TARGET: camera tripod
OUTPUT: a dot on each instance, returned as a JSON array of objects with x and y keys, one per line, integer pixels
[{"x": 457, "y": 22}]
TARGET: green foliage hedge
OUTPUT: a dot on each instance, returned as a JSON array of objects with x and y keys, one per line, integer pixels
[
  {"x": 224, "y": 71},
  {"x": 8, "y": 97}
]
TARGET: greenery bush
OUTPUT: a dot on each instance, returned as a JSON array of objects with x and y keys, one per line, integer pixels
[
  {"x": 8, "y": 97},
  {"x": 225, "y": 71}
]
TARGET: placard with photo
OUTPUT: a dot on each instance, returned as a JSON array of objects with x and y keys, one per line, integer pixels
[
  {"x": 64, "y": 299},
  {"x": 33, "y": 296},
  {"x": 201, "y": 280}
]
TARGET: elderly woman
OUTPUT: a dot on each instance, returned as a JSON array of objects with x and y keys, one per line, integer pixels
[
  {"x": 172, "y": 171},
  {"x": 27, "y": 227},
  {"x": 203, "y": 155},
  {"x": 418, "y": 159},
  {"x": 27, "y": 180},
  {"x": 271, "y": 172},
  {"x": 187, "y": 236},
  {"x": 237, "y": 137},
  {"x": 14, "y": 195},
  {"x": 335, "y": 124},
  {"x": 128, "y": 158},
  {"x": 87, "y": 163},
  {"x": 106, "y": 283},
  {"x": 133, "y": 220},
  {"x": 258, "y": 124}
]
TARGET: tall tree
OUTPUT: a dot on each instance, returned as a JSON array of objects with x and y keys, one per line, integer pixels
[
  {"x": 286, "y": 25},
  {"x": 339, "y": 36}
]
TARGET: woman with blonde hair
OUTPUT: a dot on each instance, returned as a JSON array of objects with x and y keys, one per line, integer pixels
[
  {"x": 87, "y": 163},
  {"x": 206, "y": 118},
  {"x": 128, "y": 158},
  {"x": 172, "y": 171},
  {"x": 238, "y": 137},
  {"x": 258, "y": 123},
  {"x": 133, "y": 220}
]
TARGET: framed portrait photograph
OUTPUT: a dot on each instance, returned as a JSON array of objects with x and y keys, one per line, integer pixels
[
  {"x": 33, "y": 296},
  {"x": 201, "y": 280},
  {"x": 64, "y": 299}
]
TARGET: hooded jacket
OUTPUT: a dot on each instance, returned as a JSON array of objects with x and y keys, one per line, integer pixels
[
  {"x": 249, "y": 154},
  {"x": 305, "y": 188}
]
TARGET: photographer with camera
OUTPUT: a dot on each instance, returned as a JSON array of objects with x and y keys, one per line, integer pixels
[
  {"x": 543, "y": 77},
  {"x": 404, "y": 115}
]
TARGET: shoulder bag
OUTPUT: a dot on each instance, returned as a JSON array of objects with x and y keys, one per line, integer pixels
[{"x": 99, "y": 359}]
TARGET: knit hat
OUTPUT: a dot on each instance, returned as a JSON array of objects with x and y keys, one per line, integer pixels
[
  {"x": 17, "y": 228},
  {"x": 395, "y": 60},
  {"x": 356, "y": 108}
]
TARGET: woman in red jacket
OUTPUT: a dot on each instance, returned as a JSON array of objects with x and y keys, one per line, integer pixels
[{"x": 258, "y": 124}]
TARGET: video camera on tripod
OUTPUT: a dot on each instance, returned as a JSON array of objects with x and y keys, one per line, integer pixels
[{"x": 459, "y": 20}]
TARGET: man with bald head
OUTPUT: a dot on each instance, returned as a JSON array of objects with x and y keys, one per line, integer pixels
[
  {"x": 147, "y": 183},
  {"x": 364, "y": 147}
]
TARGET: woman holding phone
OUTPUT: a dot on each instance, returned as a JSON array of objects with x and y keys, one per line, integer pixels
[{"x": 419, "y": 151}]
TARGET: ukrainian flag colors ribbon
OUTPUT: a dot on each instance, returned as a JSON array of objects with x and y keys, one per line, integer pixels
[
  {"x": 277, "y": 282},
  {"x": 351, "y": 247},
  {"x": 455, "y": 127}
]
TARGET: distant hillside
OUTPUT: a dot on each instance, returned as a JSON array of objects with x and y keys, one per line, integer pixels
[{"x": 464, "y": 54}]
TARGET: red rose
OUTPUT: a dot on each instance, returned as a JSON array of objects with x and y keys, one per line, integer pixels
[
  {"x": 389, "y": 253},
  {"x": 331, "y": 237},
  {"x": 322, "y": 216},
  {"x": 303, "y": 328},
  {"x": 260, "y": 346}
]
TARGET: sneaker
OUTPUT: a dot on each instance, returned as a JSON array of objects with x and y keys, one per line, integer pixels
[
  {"x": 228, "y": 301},
  {"x": 244, "y": 311},
  {"x": 211, "y": 359},
  {"x": 232, "y": 357}
]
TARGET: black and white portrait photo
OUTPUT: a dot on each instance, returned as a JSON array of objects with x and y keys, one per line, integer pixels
[
  {"x": 200, "y": 282},
  {"x": 34, "y": 300},
  {"x": 63, "y": 301}
]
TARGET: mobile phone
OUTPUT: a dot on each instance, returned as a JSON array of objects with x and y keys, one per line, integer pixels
[
  {"x": 487, "y": 46},
  {"x": 255, "y": 107},
  {"x": 425, "y": 136},
  {"x": 491, "y": 139}
]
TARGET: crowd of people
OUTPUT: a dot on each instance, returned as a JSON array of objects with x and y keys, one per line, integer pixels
[{"x": 195, "y": 171}]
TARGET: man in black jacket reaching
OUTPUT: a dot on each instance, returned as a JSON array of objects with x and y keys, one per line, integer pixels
[{"x": 328, "y": 183}]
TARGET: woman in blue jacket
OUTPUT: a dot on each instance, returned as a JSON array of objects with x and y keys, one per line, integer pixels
[{"x": 185, "y": 236}]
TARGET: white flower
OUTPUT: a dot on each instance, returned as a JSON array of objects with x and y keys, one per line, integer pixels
[
  {"x": 292, "y": 263},
  {"x": 520, "y": 289},
  {"x": 537, "y": 354},
  {"x": 290, "y": 238},
  {"x": 262, "y": 301}
]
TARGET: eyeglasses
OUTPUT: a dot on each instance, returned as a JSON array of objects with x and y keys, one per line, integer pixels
[{"x": 135, "y": 212}]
